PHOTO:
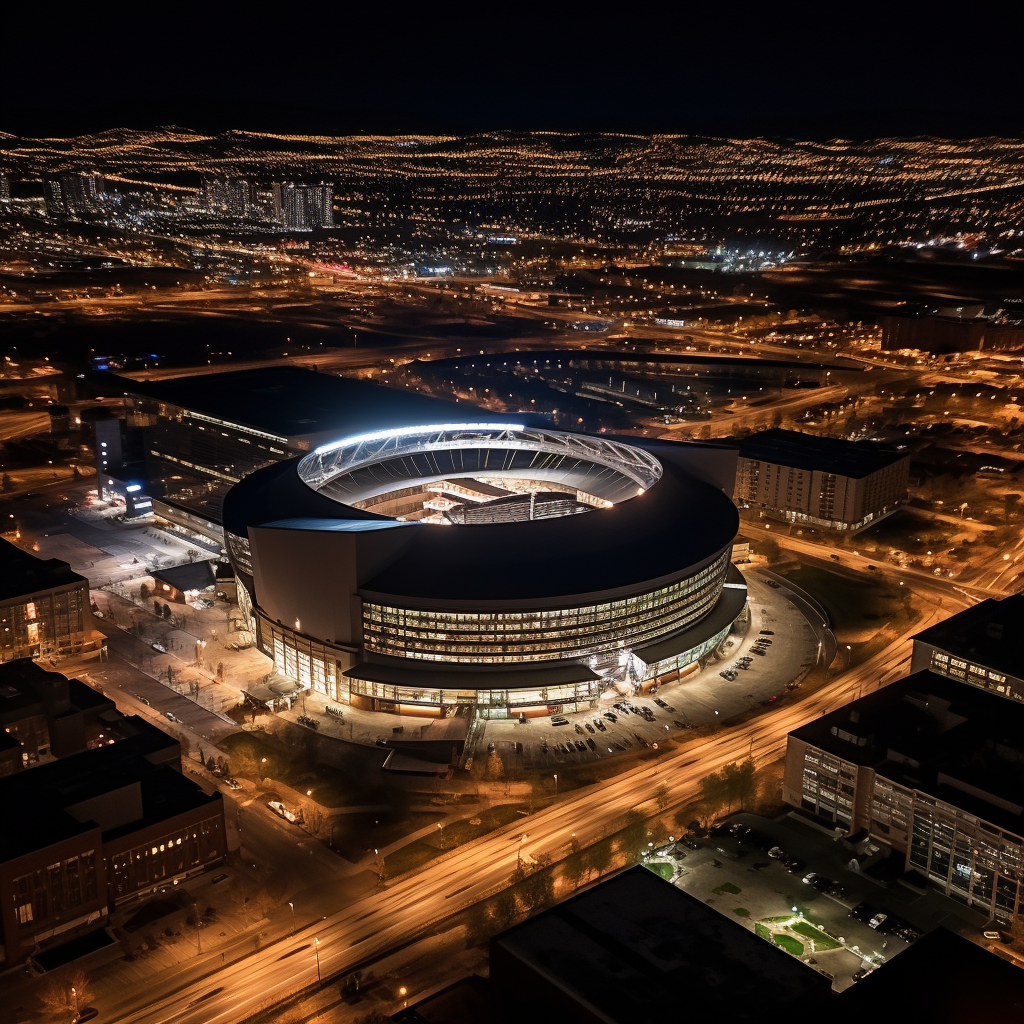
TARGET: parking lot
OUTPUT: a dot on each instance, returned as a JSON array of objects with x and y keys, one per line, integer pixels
[
  {"x": 788, "y": 649},
  {"x": 735, "y": 873}
]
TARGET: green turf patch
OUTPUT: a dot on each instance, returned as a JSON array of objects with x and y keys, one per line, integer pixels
[
  {"x": 408, "y": 858},
  {"x": 788, "y": 943},
  {"x": 741, "y": 912},
  {"x": 778, "y": 920},
  {"x": 662, "y": 868},
  {"x": 822, "y": 941},
  {"x": 763, "y": 931},
  {"x": 727, "y": 887},
  {"x": 855, "y": 603}
]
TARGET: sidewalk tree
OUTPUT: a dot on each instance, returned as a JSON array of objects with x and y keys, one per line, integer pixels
[
  {"x": 143, "y": 592},
  {"x": 495, "y": 766},
  {"x": 56, "y": 993}
]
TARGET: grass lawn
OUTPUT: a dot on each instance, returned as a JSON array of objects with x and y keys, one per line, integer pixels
[
  {"x": 741, "y": 912},
  {"x": 788, "y": 943},
  {"x": 763, "y": 931},
  {"x": 727, "y": 887},
  {"x": 408, "y": 858},
  {"x": 855, "y": 605},
  {"x": 822, "y": 941},
  {"x": 662, "y": 868},
  {"x": 414, "y": 855},
  {"x": 777, "y": 920}
]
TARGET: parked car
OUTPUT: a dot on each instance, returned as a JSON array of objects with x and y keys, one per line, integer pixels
[
  {"x": 877, "y": 921},
  {"x": 795, "y": 866},
  {"x": 863, "y": 912},
  {"x": 281, "y": 811},
  {"x": 559, "y": 720},
  {"x": 777, "y": 853}
]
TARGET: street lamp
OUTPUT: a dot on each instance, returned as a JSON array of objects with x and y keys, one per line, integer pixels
[
  {"x": 74, "y": 995},
  {"x": 440, "y": 825},
  {"x": 292, "y": 905},
  {"x": 199, "y": 941},
  {"x": 316, "y": 950},
  {"x": 556, "y": 785}
]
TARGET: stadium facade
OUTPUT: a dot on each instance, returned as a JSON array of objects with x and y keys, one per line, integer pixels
[{"x": 516, "y": 570}]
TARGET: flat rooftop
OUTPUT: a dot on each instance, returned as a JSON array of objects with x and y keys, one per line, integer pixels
[
  {"x": 22, "y": 574},
  {"x": 953, "y": 741},
  {"x": 292, "y": 403},
  {"x": 44, "y": 794},
  {"x": 809, "y": 452},
  {"x": 986, "y": 634},
  {"x": 642, "y": 950}
]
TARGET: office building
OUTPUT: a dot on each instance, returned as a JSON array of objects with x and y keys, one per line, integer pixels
[
  {"x": 231, "y": 197},
  {"x": 44, "y": 716},
  {"x": 98, "y": 828},
  {"x": 5, "y": 188},
  {"x": 72, "y": 196},
  {"x": 822, "y": 482},
  {"x": 44, "y": 607},
  {"x": 303, "y": 207},
  {"x": 977, "y": 646},
  {"x": 931, "y": 769},
  {"x": 942, "y": 335}
]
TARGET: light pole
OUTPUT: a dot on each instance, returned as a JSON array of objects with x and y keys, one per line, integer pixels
[
  {"x": 440, "y": 825},
  {"x": 556, "y": 785},
  {"x": 519, "y": 851},
  {"x": 316, "y": 950},
  {"x": 74, "y": 995},
  {"x": 292, "y": 905},
  {"x": 199, "y": 941}
]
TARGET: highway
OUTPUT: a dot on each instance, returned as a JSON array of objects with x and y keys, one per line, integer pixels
[{"x": 397, "y": 913}]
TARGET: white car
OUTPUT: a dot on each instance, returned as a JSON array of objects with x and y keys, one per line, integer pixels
[
  {"x": 281, "y": 811},
  {"x": 159, "y": 647}
]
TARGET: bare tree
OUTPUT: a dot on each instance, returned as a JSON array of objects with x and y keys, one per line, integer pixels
[{"x": 64, "y": 990}]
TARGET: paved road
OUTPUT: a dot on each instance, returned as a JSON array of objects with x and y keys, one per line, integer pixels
[{"x": 406, "y": 907}]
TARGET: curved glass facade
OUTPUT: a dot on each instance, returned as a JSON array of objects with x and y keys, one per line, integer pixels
[{"x": 487, "y": 637}]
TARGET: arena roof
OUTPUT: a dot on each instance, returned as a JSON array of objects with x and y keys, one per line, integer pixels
[
  {"x": 680, "y": 523},
  {"x": 296, "y": 403}
]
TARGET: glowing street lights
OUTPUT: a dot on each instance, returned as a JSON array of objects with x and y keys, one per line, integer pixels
[
  {"x": 440, "y": 826},
  {"x": 316, "y": 951},
  {"x": 292, "y": 905},
  {"x": 556, "y": 785}
]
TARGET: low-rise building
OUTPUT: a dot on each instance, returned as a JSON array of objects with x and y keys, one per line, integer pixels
[
  {"x": 45, "y": 716},
  {"x": 977, "y": 646},
  {"x": 44, "y": 606},
  {"x": 934, "y": 769},
  {"x": 638, "y": 948},
  {"x": 822, "y": 482},
  {"x": 95, "y": 829}
]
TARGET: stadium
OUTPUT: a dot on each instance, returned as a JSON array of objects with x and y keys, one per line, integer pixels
[{"x": 498, "y": 567}]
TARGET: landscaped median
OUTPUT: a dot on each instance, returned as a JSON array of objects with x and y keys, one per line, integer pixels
[{"x": 796, "y": 934}]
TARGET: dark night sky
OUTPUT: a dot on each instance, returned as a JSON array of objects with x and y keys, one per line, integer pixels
[{"x": 718, "y": 68}]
